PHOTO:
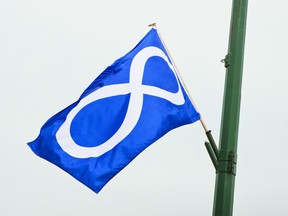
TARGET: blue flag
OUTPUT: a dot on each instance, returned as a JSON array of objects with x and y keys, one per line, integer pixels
[{"x": 130, "y": 105}]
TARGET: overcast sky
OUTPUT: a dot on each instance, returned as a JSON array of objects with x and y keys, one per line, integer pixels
[{"x": 50, "y": 51}]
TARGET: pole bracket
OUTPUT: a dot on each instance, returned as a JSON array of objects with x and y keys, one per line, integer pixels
[
  {"x": 212, "y": 155},
  {"x": 226, "y": 61},
  {"x": 227, "y": 162},
  {"x": 212, "y": 149},
  {"x": 223, "y": 161}
]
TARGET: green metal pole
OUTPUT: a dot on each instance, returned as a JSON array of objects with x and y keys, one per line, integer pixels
[{"x": 226, "y": 170}]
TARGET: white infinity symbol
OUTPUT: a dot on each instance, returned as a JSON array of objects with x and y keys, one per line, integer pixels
[{"x": 137, "y": 91}]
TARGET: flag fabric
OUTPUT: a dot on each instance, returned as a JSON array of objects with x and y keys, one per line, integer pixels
[{"x": 130, "y": 105}]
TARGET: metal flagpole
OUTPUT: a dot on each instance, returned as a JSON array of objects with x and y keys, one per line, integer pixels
[{"x": 226, "y": 167}]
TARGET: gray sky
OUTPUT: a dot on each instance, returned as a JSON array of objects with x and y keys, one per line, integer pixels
[{"x": 50, "y": 51}]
